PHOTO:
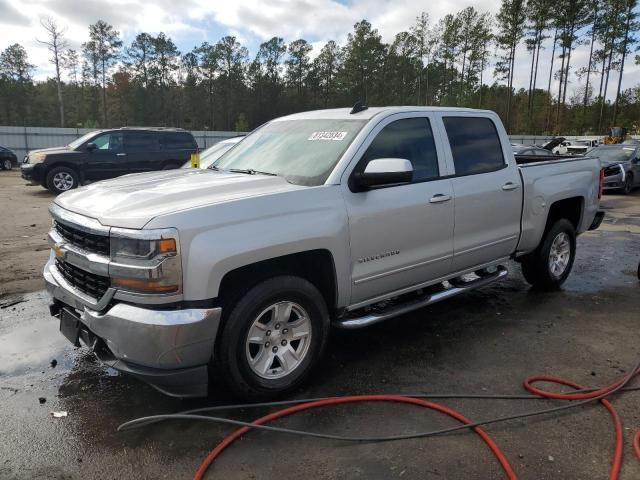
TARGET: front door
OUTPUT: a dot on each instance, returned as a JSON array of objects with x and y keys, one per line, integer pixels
[
  {"x": 106, "y": 159},
  {"x": 401, "y": 236}
]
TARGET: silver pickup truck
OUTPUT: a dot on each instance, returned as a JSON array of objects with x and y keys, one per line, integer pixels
[{"x": 332, "y": 218}]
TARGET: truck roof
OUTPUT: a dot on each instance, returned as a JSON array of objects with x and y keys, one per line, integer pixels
[{"x": 345, "y": 113}]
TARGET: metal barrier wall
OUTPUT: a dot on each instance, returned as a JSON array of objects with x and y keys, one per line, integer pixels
[{"x": 23, "y": 139}]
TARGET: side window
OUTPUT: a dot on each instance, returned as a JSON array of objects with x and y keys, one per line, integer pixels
[
  {"x": 411, "y": 139},
  {"x": 141, "y": 142},
  {"x": 475, "y": 145},
  {"x": 179, "y": 141},
  {"x": 109, "y": 141}
]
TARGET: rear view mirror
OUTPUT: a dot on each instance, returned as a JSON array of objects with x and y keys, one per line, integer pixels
[
  {"x": 384, "y": 171},
  {"x": 91, "y": 147}
]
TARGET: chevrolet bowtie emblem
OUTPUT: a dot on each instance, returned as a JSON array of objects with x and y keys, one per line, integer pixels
[{"x": 58, "y": 251}]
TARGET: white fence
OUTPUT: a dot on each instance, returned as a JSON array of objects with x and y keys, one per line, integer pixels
[{"x": 23, "y": 139}]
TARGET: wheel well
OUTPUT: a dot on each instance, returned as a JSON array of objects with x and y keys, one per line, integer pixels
[
  {"x": 569, "y": 208},
  {"x": 316, "y": 266},
  {"x": 67, "y": 165}
]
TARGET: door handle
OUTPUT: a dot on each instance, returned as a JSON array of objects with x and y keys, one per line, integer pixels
[
  {"x": 121, "y": 154},
  {"x": 510, "y": 186},
  {"x": 439, "y": 198}
]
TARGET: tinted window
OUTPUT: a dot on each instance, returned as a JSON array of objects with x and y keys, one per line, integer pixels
[
  {"x": 411, "y": 139},
  {"x": 141, "y": 142},
  {"x": 179, "y": 141},
  {"x": 475, "y": 144},
  {"x": 109, "y": 141}
]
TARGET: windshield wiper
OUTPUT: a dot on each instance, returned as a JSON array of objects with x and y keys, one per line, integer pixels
[{"x": 251, "y": 171}]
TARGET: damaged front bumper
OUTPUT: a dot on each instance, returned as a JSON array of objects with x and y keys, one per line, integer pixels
[{"x": 169, "y": 349}]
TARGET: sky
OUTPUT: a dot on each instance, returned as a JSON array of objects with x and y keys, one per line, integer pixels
[{"x": 191, "y": 22}]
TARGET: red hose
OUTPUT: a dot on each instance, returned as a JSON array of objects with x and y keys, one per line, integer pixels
[
  {"x": 616, "y": 462},
  {"x": 229, "y": 439},
  {"x": 504, "y": 463}
]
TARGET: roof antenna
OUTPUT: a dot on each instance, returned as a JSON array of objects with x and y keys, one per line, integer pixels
[{"x": 358, "y": 107}]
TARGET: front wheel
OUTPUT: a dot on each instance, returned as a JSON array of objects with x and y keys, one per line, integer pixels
[
  {"x": 550, "y": 264},
  {"x": 6, "y": 164},
  {"x": 628, "y": 184},
  {"x": 272, "y": 337},
  {"x": 62, "y": 179}
]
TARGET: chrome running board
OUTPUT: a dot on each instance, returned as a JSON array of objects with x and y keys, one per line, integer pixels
[{"x": 445, "y": 290}]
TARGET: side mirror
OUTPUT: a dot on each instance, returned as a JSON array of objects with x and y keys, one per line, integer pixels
[
  {"x": 384, "y": 171},
  {"x": 91, "y": 147}
]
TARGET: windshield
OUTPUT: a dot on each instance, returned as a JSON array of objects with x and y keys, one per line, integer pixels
[
  {"x": 211, "y": 154},
  {"x": 612, "y": 155},
  {"x": 302, "y": 151},
  {"x": 79, "y": 141}
]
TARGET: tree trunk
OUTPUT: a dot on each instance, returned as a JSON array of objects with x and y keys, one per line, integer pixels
[
  {"x": 624, "y": 54},
  {"x": 533, "y": 59},
  {"x": 606, "y": 85},
  {"x": 104, "y": 94},
  {"x": 535, "y": 73},
  {"x": 59, "y": 87},
  {"x": 593, "y": 38},
  {"x": 553, "y": 56},
  {"x": 560, "y": 85}
]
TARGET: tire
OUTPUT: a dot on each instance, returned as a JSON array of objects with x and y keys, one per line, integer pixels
[
  {"x": 238, "y": 360},
  {"x": 62, "y": 179},
  {"x": 628, "y": 184},
  {"x": 7, "y": 164},
  {"x": 538, "y": 267}
]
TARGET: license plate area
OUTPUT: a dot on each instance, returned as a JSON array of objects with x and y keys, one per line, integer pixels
[{"x": 70, "y": 326}]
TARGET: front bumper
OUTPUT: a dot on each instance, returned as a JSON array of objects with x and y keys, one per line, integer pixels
[
  {"x": 169, "y": 349},
  {"x": 32, "y": 172}
]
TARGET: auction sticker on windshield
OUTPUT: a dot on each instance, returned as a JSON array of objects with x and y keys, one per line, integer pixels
[{"x": 336, "y": 136}]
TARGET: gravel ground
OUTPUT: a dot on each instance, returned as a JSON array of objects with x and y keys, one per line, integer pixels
[
  {"x": 486, "y": 341},
  {"x": 24, "y": 223}
]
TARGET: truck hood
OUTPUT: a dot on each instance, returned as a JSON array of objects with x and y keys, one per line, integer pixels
[{"x": 133, "y": 200}]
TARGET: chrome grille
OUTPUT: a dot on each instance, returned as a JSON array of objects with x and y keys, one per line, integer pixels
[
  {"x": 89, "y": 283},
  {"x": 90, "y": 242}
]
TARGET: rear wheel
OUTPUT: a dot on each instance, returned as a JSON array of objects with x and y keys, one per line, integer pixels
[
  {"x": 550, "y": 264},
  {"x": 272, "y": 337},
  {"x": 62, "y": 179},
  {"x": 6, "y": 164}
]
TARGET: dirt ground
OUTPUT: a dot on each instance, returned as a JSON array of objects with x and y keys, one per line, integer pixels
[
  {"x": 486, "y": 341},
  {"x": 24, "y": 223}
]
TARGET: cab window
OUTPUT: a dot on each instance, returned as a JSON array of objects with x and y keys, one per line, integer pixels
[
  {"x": 141, "y": 142},
  {"x": 475, "y": 145},
  {"x": 411, "y": 139}
]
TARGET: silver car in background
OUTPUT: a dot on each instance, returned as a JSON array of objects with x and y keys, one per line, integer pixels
[{"x": 621, "y": 164}]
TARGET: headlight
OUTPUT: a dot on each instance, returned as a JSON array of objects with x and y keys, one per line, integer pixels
[
  {"x": 37, "y": 157},
  {"x": 145, "y": 261}
]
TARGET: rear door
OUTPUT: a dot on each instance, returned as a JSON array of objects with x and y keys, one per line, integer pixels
[
  {"x": 400, "y": 235},
  {"x": 487, "y": 190},
  {"x": 143, "y": 151},
  {"x": 105, "y": 161},
  {"x": 177, "y": 148}
]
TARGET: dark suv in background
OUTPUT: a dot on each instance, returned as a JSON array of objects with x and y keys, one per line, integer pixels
[
  {"x": 107, "y": 154},
  {"x": 8, "y": 159}
]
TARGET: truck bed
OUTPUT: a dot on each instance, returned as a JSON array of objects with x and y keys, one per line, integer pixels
[{"x": 547, "y": 179}]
